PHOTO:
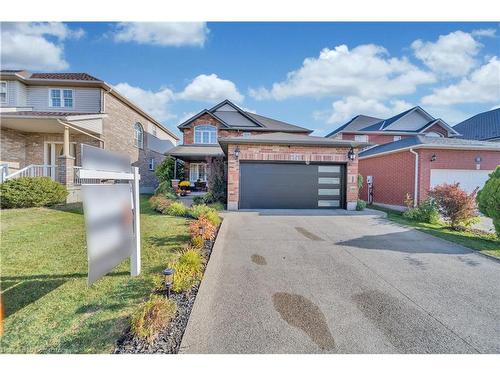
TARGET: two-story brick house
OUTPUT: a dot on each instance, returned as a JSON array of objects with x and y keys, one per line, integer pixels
[
  {"x": 270, "y": 163},
  {"x": 412, "y": 152},
  {"x": 45, "y": 117}
]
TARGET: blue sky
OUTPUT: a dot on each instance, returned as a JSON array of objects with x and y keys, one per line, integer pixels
[{"x": 316, "y": 75}]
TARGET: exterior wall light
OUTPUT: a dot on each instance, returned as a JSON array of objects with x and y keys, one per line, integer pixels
[
  {"x": 433, "y": 157},
  {"x": 478, "y": 159},
  {"x": 168, "y": 273},
  {"x": 351, "y": 155},
  {"x": 237, "y": 152}
]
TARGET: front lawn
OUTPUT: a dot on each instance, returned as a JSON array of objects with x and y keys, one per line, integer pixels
[
  {"x": 47, "y": 304},
  {"x": 484, "y": 243}
]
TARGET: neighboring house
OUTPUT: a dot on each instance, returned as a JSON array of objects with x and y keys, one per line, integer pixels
[
  {"x": 270, "y": 163},
  {"x": 414, "y": 121},
  {"x": 45, "y": 117},
  {"x": 482, "y": 127},
  {"x": 416, "y": 164}
]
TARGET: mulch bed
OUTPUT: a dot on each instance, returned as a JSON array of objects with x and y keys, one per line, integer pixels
[{"x": 169, "y": 339}]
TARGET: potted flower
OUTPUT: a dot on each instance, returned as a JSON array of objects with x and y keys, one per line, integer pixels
[{"x": 184, "y": 187}]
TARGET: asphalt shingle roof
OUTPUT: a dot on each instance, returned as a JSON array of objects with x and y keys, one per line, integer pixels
[
  {"x": 356, "y": 123},
  {"x": 420, "y": 140},
  {"x": 482, "y": 126},
  {"x": 68, "y": 76}
]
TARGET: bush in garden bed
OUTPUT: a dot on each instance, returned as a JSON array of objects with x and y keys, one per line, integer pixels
[
  {"x": 160, "y": 203},
  {"x": 177, "y": 209},
  {"x": 26, "y": 192},
  {"x": 152, "y": 316},
  {"x": 360, "y": 205},
  {"x": 192, "y": 258},
  {"x": 426, "y": 212},
  {"x": 488, "y": 199},
  {"x": 209, "y": 230}
]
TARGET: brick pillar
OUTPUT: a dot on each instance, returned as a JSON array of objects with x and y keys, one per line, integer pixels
[
  {"x": 352, "y": 184},
  {"x": 66, "y": 171},
  {"x": 233, "y": 180}
]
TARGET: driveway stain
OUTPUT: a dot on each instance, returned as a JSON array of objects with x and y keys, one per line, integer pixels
[
  {"x": 415, "y": 262},
  {"x": 407, "y": 328},
  {"x": 468, "y": 261},
  {"x": 308, "y": 234},
  {"x": 258, "y": 259},
  {"x": 301, "y": 313}
]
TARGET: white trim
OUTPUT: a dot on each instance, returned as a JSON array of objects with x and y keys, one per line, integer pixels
[
  {"x": 442, "y": 147},
  {"x": 6, "y": 93},
  {"x": 195, "y": 166},
  {"x": 415, "y": 193},
  {"x": 61, "y": 93},
  {"x": 441, "y": 123}
]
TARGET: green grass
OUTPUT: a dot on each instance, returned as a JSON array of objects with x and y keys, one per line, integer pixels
[
  {"x": 484, "y": 243},
  {"x": 47, "y": 304}
]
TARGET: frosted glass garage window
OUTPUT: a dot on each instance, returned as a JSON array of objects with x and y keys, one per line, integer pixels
[
  {"x": 329, "y": 169},
  {"x": 329, "y": 191},
  {"x": 329, "y": 180},
  {"x": 329, "y": 203}
]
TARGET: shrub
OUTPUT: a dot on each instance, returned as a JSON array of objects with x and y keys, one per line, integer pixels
[
  {"x": 217, "y": 206},
  {"x": 197, "y": 242},
  {"x": 213, "y": 217},
  {"x": 454, "y": 204},
  {"x": 199, "y": 209},
  {"x": 160, "y": 203},
  {"x": 165, "y": 189},
  {"x": 217, "y": 181},
  {"x": 360, "y": 205},
  {"x": 488, "y": 199},
  {"x": 198, "y": 200},
  {"x": 152, "y": 316},
  {"x": 31, "y": 192},
  {"x": 193, "y": 259},
  {"x": 426, "y": 212},
  {"x": 177, "y": 209},
  {"x": 185, "y": 277},
  {"x": 206, "y": 226},
  {"x": 165, "y": 170}
]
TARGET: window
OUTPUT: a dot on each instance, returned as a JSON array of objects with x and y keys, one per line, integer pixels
[
  {"x": 3, "y": 92},
  {"x": 61, "y": 98},
  {"x": 197, "y": 171},
  {"x": 397, "y": 137},
  {"x": 361, "y": 138},
  {"x": 138, "y": 135},
  {"x": 152, "y": 164},
  {"x": 205, "y": 134}
]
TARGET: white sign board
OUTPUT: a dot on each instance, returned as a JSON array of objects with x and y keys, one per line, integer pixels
[{"x": 111, "y": 211}]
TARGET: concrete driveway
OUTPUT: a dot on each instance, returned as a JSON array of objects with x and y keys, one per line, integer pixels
[{"x": 339, "y": 282}]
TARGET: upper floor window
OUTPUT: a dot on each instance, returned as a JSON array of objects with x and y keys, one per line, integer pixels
[
  {"x": 61, "y": 98},
  {"x": 205, "y": 134},
  {"x": 138, "y": 135},
  {"x": 361, "y": 138},
  {"x": 3, "y": 92}
]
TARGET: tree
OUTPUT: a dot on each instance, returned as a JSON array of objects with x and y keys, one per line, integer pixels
[
  {"x": 165, "y": 171},
  {"x": 454, "y": 204},
  {"x": 217, "y": 181},
  {"x": 488, "y": 199}
]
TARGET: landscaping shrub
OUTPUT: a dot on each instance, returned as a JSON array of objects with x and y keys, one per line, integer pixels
[
  {"x": 31, "y": 192},
  {"x": 217, "y": 206},
  {"x": 213, "y": 217},
  {"x": 208, "y": 228},
  {"x": 193, "y": 259},
  {"x": 199, "y": 209},
  {"x": 185, "y": 277},
  {"x": 160, "y": 203},
  {"x": 210, "y": 200},
  {"x": 197, "y": 242},
  {"x": 360, "y": 205},
  {"x": 165, "y": 170},
  {"x": 165, "y": 189},
  {"x": 488, "y": 199},
  {"x": 217, "y": 180},
  {"x": 198, "y": 200},
  {"x": 177, "y": 209},
  {"x": 426, "y": 212},
  {"x": 152, "y": 316},
  {"x": 455, "y": 205}
]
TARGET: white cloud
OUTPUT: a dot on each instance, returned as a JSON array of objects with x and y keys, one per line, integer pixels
[
  {"x": 210, "y": 88},
  {"x": 484, "y": 32},
  {"x": 27, "y": 45},
  {"x": 345, "y": 109},
  {"x": 162, "y": 33},
  {"x": 366, "y": 71},
  {"x": 482, "y": 86},
  {"x": 154, "y": 103},
  {"x": 452, "y": 54}
]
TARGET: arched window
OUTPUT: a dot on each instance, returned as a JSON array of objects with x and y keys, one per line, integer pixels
[
  {"x": 433, "y": 134},
  {"x": 138, "y": 135},
  {"x": 205, "y": 134}
]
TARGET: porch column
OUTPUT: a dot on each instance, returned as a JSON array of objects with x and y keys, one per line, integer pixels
[
  {"x": 66, "y": 163},
  {"x": 66, "y": 141}
]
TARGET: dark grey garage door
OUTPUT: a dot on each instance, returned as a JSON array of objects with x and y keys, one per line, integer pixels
[{"x": 291, "y": 185}]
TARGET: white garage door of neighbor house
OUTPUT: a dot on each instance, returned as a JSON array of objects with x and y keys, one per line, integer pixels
[{"x": 468, "y": 179}]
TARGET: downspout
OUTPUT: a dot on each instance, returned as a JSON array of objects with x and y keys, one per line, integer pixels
[{"x": 415, "y": 194}]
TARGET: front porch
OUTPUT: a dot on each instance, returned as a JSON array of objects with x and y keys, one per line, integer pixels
[{"x": 44, "y": 147}]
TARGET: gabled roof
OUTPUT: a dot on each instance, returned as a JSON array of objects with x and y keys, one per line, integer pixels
[
  {"x": 422, "y": 141},
  {"x": 233, "y": 117},
  {"x": 356, "y": 123},
  {"x": 483, "y": 126},
  {"x": 67, "y": 76}
]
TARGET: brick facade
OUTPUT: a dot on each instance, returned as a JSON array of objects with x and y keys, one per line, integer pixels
[
  {"x": 285, "y": 152},
  {"x": 394, "y": 174}
]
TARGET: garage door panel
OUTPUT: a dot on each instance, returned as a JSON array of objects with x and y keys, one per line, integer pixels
[
  {"x": 286, "y": 185},
  {"x": 468, "y": 179}
]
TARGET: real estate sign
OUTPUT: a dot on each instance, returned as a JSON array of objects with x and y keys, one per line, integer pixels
[{"x": 110, "y": 194}]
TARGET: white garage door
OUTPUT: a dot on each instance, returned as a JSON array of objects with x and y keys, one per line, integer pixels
[{"x": 468, "y": 179}]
